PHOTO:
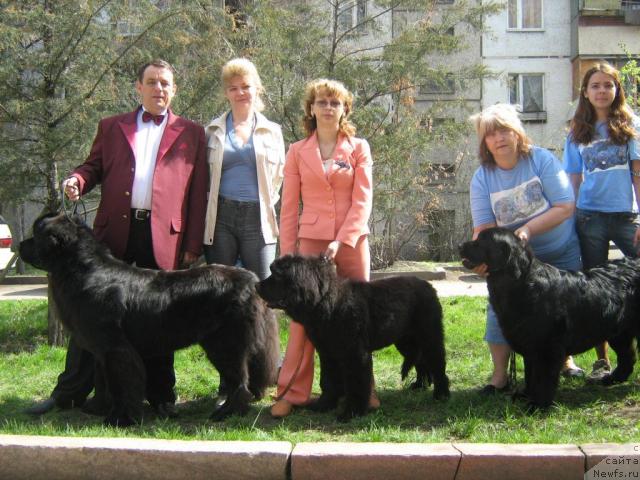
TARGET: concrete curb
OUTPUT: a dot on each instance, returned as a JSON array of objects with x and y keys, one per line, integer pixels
[{"x": 28, "y": 457}]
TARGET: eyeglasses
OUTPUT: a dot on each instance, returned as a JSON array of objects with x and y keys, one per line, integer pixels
[{"x": 325, "y": 103}]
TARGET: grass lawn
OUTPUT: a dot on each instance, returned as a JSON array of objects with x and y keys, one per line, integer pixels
[{"x": 583, "y": 414}]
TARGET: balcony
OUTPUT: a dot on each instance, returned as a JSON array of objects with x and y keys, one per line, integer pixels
[{"x": 627, "y": 9}]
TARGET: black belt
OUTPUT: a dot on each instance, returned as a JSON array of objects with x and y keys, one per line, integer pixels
[{"x": 140, "y": 214}]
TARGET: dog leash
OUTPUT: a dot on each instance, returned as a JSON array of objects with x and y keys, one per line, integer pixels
[
  {"x": 70, "y": 211},
  {"x": 292, "y": 380}
]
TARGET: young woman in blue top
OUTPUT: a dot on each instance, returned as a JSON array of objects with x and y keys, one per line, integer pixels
[
  {"x": 245, "y": 153},
  {"x": 602, "y": 158},
  {"x": 521, "y": 187}
]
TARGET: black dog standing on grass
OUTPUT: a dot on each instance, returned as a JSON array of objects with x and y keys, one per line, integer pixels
[
  {"x": 346, "y": 320},
  {"x": 121, "y": 313},
  {"x": 546, "y": 314}
]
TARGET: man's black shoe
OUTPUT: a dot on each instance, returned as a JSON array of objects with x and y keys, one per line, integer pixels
[
  {"x": 45, "y": 406},
  {"x": 165, "y": 410}
]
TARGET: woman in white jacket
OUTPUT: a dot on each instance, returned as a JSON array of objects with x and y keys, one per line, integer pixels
[{"x": 246, "y": 157}]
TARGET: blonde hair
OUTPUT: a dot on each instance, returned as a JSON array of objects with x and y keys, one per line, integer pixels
[
  {"x": 242, "y": 67},
  {"x": 330, "y": 88},
  {"x": 494, "y": 117}
]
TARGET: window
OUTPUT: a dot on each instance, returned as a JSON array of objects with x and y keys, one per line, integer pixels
[
  {"x": 527, "y": 90},
  {"x": 525, "y": 14},
  {"x": 351, "y": 14},
  {"x": 444, "y": 84}
]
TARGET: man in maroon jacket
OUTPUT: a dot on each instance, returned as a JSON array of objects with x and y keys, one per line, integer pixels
[{"x": 152, "y": 169}]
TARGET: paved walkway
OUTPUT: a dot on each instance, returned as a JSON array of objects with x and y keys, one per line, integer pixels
[{"x": 465, "y": 285}]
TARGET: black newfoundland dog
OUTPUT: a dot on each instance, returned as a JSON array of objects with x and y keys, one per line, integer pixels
[
  {"x": 121, "y": 313},
  {"x": 346, "y": 320},
  {"x": 546, "y": 314}
]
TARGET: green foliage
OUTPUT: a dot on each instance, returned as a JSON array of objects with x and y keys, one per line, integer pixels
[
  {"x": 631, "y": 80},
  {"x": 62, "y": 72},
  {"x": 583, "y": 413},
  {"x": 66, "y": 64},
  {"x": 384, "y": 68}
]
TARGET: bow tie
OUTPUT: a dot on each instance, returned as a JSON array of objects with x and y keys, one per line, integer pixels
[{"x": 147, "y": 117}]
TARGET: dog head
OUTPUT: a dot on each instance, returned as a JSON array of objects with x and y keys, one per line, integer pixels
[
  {"x": 54, "y": 235},
  {"x": 499, "y": 249},
  {"x": 296, "y": 280}
]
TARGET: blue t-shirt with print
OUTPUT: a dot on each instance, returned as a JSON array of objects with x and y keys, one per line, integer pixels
[
  {"x": 510, "y": 198},
  {"x": 606, "y": 183}
]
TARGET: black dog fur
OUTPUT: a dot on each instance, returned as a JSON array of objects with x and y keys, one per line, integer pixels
[
  {"x": 546, "y": 314},
  {"x": 346, "y": 320},
  {"x": 121, "y": 313}
]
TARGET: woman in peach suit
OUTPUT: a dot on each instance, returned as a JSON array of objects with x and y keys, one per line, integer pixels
[{"x": 329, "y": 172}]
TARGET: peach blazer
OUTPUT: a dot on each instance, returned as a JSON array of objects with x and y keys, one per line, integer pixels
[{"x": 335, "y": 205}]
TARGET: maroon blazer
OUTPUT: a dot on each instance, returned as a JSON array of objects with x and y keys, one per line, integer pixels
[{"x": 179, "y": 192}]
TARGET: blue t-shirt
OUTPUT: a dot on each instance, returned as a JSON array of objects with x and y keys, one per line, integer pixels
[
  {"x": 606, "y": 182},
  {"x": 239, "y": 177},
  {"x": 510, "y": 198}
]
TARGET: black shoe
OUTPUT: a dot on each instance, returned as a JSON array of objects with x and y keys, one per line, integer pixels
[
  {"x": 165, "y": 409},
  {"x": 489, "y": 390},
  {"x": 45, "y": 406}
]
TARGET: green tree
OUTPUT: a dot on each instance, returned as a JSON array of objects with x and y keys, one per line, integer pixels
[
  {"x": 384, "y": 65},
  {"x": 66, "y": 64}
]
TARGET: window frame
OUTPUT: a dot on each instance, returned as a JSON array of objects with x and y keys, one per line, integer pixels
[
  {"x": 519, "y": 17},
  {"x": 533, "y": 116},
  {"x": 356, "y": 26}
]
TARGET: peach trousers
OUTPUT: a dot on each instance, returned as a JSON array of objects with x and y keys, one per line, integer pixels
[{"x": 296, "y": 373}]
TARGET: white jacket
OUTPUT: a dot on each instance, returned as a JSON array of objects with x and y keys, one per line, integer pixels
[{"x": 269, "y": 147}]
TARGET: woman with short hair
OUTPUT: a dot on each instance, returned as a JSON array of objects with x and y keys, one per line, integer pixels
[{"x": 521, "y": 187}]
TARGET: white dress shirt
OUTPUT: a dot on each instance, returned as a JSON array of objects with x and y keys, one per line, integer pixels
[{"x": 147, "y": 142}]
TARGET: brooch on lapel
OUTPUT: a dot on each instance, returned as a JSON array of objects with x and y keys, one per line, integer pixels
[{"x": 343, "y": 164}]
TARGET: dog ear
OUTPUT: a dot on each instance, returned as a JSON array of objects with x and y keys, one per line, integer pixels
[{"x": 520, "y": 256}]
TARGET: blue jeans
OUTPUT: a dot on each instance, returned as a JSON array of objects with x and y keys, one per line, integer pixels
[
  {"x": 597, "y": 229},
  {"x": 238, "y": 235},
  {"x": 568, "y": 259}
]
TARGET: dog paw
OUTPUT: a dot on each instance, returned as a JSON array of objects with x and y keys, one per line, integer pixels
[
  {"x": 350, "y": 413},
  {"x": 441, "y": 394},
  {"x": 323, "y": 404},
  {"x": 220, "y": 413},
  {"x": 121, "y": 421}
]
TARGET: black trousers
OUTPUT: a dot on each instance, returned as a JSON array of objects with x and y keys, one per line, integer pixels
[{"x": 77, "y": 380}]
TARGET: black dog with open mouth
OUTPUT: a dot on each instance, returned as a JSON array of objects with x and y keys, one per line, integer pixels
[
  {"x": 346, "y": 320},
  {"x": 546, "y": 314}
]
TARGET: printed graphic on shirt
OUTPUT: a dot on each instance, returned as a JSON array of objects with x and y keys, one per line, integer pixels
[
  {"x": 602, "y": 155},
  {"x": 520, "y": 203}
]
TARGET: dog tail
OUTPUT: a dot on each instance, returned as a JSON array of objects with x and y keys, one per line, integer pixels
[{"x": 263, "y": 363}]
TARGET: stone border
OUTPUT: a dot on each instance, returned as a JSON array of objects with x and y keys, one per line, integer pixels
[{"x": 31, "y": 457}]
